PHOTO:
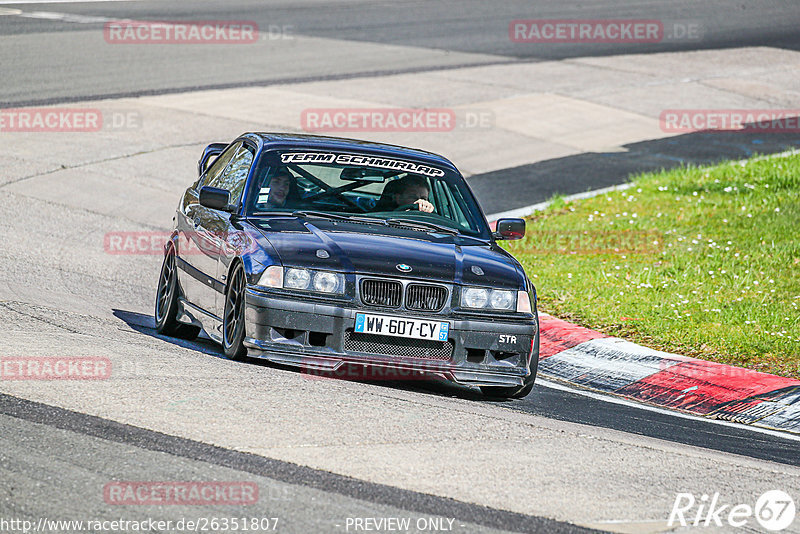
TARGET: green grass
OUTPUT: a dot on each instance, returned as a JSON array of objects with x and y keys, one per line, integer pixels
[{"x": 699, "y": 261}]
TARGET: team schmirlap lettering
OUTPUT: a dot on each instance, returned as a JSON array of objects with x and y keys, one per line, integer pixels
[{"x": 366, "y": 161}]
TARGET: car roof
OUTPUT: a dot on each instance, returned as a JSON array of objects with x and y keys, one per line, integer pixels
[{"x": 320, "y": 142}]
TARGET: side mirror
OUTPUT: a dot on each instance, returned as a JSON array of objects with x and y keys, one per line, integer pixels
[
  {"x": 215, "y": 198},
  {"x": 211, "y": 151},
  {"x": 510, "y": 229}
]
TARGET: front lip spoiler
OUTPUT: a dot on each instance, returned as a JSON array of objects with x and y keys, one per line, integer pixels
[{"x": 331, "y": 363}]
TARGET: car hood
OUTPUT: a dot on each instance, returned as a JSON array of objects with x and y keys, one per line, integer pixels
[{"x": 370, "y": 249}]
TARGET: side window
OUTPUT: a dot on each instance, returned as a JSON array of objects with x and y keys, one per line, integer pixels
[
  {"x": 235, "y": 174},
  {"x": 219, "y": 165}
]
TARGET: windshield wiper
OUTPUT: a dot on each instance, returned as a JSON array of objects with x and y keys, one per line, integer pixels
[
  {"x": 337, "y": 217},
  {"x": 422, "y": 225},
  {"x": 319, "y": 214},
  {"x": 275, "y": 212}
]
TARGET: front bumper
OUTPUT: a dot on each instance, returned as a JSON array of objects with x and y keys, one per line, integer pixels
[{"x": 319, "y": 338}]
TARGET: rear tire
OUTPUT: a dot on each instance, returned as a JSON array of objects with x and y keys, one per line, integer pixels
[
  {"x": 233, "y": 329},
  {"x": 166, "y": 311}
]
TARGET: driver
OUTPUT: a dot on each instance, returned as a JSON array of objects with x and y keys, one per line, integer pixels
[
  {"x": 410, "y": 190},
  {"x": 282, "y": 188}
]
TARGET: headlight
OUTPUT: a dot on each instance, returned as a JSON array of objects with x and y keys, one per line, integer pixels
[
  {"x": 495, "y": 299},
  {"x": 328, "y": 282},
  {"x": 502, "y": 300},
  {"x": 474, "y": 297},
  {"x": 297, "y": 279},
  {"x": 311, "y": 280}
]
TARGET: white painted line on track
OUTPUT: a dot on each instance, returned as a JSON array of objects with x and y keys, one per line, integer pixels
[
  {"x": 20, "y": 2},
  {"x": 618, "y": 400},
  {"x": 64, "y": 17}
]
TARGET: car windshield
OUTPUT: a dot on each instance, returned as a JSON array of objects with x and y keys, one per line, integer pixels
[{"x": 366, "y": 188}]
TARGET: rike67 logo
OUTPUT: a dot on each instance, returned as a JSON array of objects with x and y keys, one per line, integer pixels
[{"x": 774, "y": 510}]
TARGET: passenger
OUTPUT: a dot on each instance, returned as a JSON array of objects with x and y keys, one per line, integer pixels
[{"x": 410, "y": 191}]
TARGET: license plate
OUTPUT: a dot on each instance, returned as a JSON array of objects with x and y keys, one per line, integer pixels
[{"x": 385, "y": 325}]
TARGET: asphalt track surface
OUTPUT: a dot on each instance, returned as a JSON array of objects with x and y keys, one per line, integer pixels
[
  {"x": 68, "y": 453},
  {"x": 474, "y": 31}
]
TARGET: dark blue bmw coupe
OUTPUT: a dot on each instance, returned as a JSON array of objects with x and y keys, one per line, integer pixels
[{"x": 322, "y": 252}]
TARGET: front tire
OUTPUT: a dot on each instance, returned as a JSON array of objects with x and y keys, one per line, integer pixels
[
  {"x": 233, "y": 316},
  {"x": 166, "y": 311}
]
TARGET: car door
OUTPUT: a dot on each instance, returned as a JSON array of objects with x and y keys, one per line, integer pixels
[
  {"x": 225, "y": 236},
  {"x": 197, "y": 265}
]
